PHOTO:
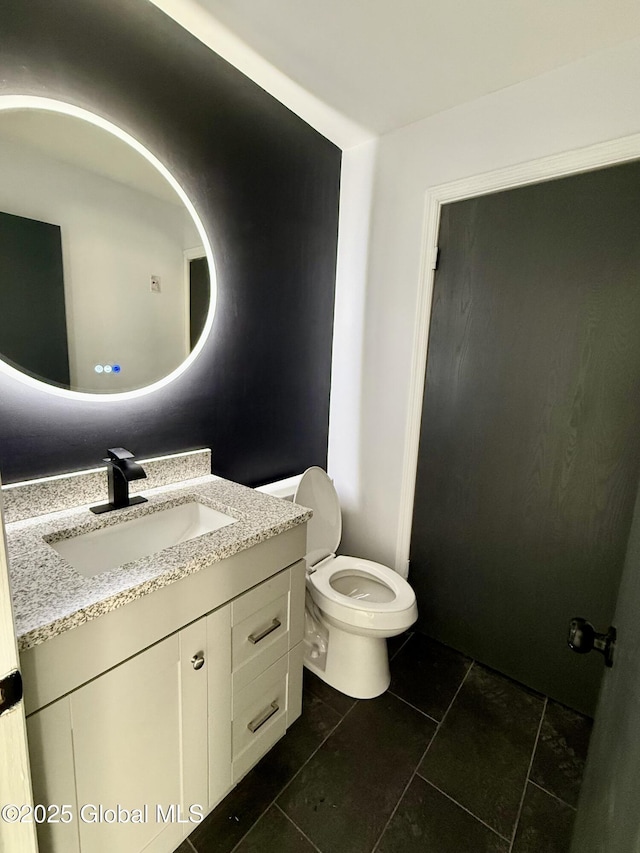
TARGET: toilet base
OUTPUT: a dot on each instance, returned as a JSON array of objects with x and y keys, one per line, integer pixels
[{"x": 357, "y": 666}]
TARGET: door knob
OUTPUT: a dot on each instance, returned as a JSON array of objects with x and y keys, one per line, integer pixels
[
  {"x": 197, "y": 661},
  {"x": 583, "y": 637}
]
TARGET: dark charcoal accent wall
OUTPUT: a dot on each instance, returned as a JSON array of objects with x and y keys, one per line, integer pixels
[{"x": 266, "y": 186}]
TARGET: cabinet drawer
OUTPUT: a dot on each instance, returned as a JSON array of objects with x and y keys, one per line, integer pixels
[
  {"x": 259, "y": 716},
  {"x": 260, "y": 632},
  {"x": 254, "y": 600}
]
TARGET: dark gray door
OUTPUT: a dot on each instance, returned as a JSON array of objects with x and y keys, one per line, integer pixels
[
  {"x": 33, "y": 323},
  {"x": 199, "y": 295},
  {"x": 530, "y": 442}
]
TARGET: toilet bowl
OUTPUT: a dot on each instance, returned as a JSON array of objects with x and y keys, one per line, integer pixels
[{"x": 353, "y": 605}]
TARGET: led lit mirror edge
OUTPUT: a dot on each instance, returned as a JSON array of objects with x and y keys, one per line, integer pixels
[{"x": 14, "y": 102}]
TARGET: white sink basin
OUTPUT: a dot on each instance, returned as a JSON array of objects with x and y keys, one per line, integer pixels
[{"x": 106, "y": 549}]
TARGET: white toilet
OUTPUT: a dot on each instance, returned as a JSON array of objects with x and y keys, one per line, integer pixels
[{"x": 353, "y": 605}]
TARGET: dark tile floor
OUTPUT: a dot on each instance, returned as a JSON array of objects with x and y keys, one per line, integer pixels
[{"x": 454, "y": 758}]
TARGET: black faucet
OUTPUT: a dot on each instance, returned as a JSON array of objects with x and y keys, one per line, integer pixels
[{"x": 120, "y": 471}]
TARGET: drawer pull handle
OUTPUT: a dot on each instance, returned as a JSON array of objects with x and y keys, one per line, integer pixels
[
  {"x": 197, "y": 661},
  {"x": 255, "y": 638},
  {"x": 254, "y": 725}
]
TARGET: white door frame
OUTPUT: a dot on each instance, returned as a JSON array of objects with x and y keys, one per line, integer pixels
[
  {"x": 562, "y": 165},
  {"x": 15, "y": 775}
]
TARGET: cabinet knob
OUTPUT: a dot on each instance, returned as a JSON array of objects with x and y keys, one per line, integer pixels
[{"x": 197, "y": 660}]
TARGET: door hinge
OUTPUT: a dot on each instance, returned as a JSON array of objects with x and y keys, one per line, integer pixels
[
  {"x": 436, "y": 258},
  {"x": 10, "y": 691}
]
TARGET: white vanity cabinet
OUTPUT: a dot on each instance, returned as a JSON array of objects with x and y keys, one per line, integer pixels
[
  {"x": 173, "y": 726},
  {"x": 132, "y": 737}
]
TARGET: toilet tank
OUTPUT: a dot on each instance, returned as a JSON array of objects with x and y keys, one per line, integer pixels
[{"x": 284, "y": 489}]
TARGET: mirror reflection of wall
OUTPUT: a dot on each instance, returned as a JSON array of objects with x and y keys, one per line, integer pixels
[{"x": 126, "y": 244}]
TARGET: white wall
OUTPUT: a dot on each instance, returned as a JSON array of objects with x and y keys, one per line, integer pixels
[
  {"x": 114, "y": 238},
  {"x": 590, "y": 101},
  {"x": 380, "y": 239},
  {"x": 356, "y": 187}
]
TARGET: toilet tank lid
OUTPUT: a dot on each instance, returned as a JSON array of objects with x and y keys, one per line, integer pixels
[{"x": 316, "y": 491}]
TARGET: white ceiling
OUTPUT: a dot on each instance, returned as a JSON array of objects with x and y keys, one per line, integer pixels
[
  {"x": 387, "y": 63},
  {"x": 83, "y": 145}
]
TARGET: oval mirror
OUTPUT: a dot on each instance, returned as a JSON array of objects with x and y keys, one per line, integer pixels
[{"x": 107, "y": 285}]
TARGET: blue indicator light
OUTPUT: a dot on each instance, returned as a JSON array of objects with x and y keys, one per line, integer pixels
[{"x": 116, "y": 368}]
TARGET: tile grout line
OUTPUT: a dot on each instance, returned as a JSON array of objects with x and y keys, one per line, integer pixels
[
  {"x": 464, "y": 808},
  {"x": 419, "y": 710},
  {"x": 398, "y": 650},
  {"x": 415, "y": 772},
  {"x": 293, "y": 823},
  {"x": 298, "y": 771},
  {"x": 526, "y": 782},
  {"x": 444, "y": 716},
  {"x": 320, "y": 745},
  {"x": 400, "y": 798},
  {"x": 440, "y": 791},
  {"x": 551, "y": 794}
]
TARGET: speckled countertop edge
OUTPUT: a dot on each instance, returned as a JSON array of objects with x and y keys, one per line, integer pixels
[{"x": 50, "y": 597}]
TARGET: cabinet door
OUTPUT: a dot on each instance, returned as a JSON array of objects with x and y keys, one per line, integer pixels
[
  {"x": 219, "y": 709},
  {"x": 51, "y": 759},
  {"x": 130, "y": 733}
]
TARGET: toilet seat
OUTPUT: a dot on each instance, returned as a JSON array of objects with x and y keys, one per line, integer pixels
[
  {"x": 324, "y": 529},
  {"x": 356, "y": 612},
  {"x": 316, "y": 490}
]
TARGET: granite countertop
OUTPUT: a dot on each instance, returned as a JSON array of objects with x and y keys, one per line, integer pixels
[{"x": 50, "y": 597}]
